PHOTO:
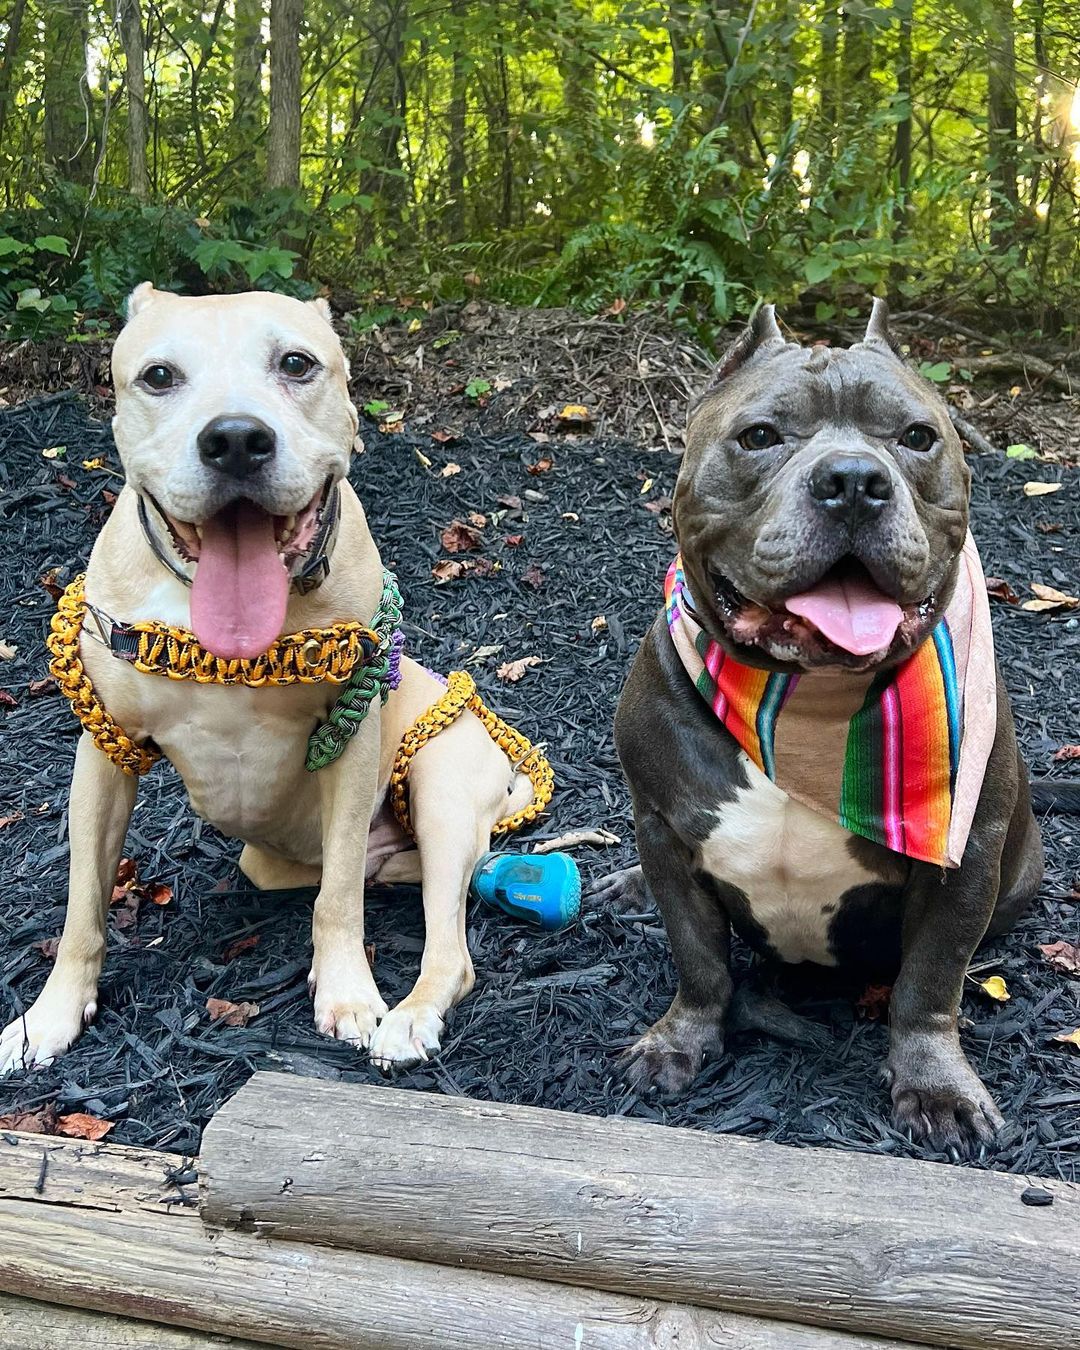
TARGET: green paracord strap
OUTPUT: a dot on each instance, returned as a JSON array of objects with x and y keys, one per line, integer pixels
[{"x": 373, "y": 678}]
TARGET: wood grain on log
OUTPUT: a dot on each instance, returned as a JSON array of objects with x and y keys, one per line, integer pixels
[
  {"x": 102, "y": 1227},
  {"x": 931, "y": 1253}
]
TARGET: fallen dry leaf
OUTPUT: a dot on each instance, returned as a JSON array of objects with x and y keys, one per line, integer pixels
[
  {"x": 81, "y": 1126},
  {"x": 533, "y": 576},
  {"x": 575, "y": 414},
  {"x": 477, "y": 521},
  {"x": 5, "y": 821},
  {"x": 7, "y": 651},
  {"x": 96, "y": 463},
  {"x": 48, "y": 580},
  {"x": 241, "y": 945},
  {"x": 542, "y": 465},
  {"x": 1068, "y": 752},
  {"x": 598, "y": 624},
  {"x": 161, "y": 894},
  {"x": 512, "y": 671},
  {"x": 36, "y": 688},
  {"x": 8, "y": 700},
  {"x": 41, "y": 1121},
  {"x": 449, "y": 469},
  {"x": 997, "y": 588},
  {"x": 1069, "y": 1037},
  {"x": 996, "y": 988},
  {"x": 658, "y": 505},
  {"x": 1041, "y": 489},
  {"x": 1050, "y": 598},
  {"x": 447, "y": 569},
  {"x": 1049, "y": 527},
  {"x": 459, "y": 537},
  {"x": 231, "y": 1014},
  {"x": 617, "y": 306},
  {"x": 511, "y": 502},
  {"x": 48, "y": 947},
  {"x": 514, "y": 540},
  {"x": 483, "y": 653},
  {"x": 873, "y": 1003},
  {"x": 1063, "y": 956}
]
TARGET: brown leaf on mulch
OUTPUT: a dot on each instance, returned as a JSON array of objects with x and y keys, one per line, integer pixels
[
  {"x": 41, "y": 1121},
  {"x": 658, "y": 505},
  {"x": 48, "y": 947},
  {"x": 241, "y": 945},
  {"x": 542, "y": 465},
  {"x": 1068, "y": 752},
  {"x": 1063, "y": 956},
  {"x": 460, "y": 538},
  {"x": 997, "y": 588},
  {"x": 48, "y": 580},
  {"x": 5, "y": 821},
  {"x": 8, "y": 700},
  {"x": 447, "y": 569},
  {"x": 873, "y": 1003},
  {"x": 161, "y": 894},
  {"x": 81, "y": 1126},
  {"x": 533, "y": 576},
  {"x": 231, "y": 1014},
  {"x": 514, "y": 540},
  {"x": 512, "y": 671}
]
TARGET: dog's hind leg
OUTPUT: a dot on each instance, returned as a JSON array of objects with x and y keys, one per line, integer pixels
[
  {"x": 460, "y": 784},
  {"x": 102, "y": 799},
  {"x": 271, "y": 871}
]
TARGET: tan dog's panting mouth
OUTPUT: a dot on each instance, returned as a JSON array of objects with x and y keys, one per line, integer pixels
[
  {"x": 844, "y": 619},
  {"x": 243, "y": 557}
]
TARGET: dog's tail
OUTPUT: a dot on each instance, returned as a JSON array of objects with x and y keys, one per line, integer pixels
[{"x": 1056, "y": 794}]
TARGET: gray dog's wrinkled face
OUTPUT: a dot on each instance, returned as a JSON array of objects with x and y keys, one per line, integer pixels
[{"x": 822, "y": 503}]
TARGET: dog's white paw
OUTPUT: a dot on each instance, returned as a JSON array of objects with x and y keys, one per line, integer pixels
[
  {"x": 347, "y": 1007},
  {"x": 407, "y": 1034},
  {"x": 51, "y": 1026}
]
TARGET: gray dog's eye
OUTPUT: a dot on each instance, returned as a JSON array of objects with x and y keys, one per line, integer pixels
[
  {"x": 296, "y": 365},
  {"x": 760, "y": 436},
  {"x": 918, "y": 437},
  {"x": 158, "y": 378}
]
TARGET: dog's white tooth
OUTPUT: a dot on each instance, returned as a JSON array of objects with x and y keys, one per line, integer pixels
[{"x": 198, "y": 531}]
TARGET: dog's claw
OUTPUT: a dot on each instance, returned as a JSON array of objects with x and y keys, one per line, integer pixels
[{"x": 408, "y": 1034}]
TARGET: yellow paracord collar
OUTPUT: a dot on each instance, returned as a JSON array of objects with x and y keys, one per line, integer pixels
[{"x": 308, "y": 657}]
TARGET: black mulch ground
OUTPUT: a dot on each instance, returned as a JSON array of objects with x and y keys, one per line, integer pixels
[{"x": 549, "y": 1013}]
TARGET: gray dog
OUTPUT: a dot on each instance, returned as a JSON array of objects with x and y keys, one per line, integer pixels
[{"x": 841, "y": 782}]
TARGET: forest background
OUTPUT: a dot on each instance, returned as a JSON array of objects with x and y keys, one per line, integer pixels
[{"x": 590, "y": 153}]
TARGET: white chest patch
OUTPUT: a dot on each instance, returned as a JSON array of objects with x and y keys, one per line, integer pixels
[{"x": 791, "y": 863}]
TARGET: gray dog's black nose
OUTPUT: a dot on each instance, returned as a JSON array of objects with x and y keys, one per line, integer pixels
[
  {"x": 850, "y": 485},
  {"x": 238, "y": 446}
]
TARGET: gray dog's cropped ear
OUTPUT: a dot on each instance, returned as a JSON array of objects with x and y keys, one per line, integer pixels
[
  {"x": 762, "y": 331},
  {"x": 321, "y": 306},
  {"x": 140, "y": 297},
  {"x": 877, "y": 329}
]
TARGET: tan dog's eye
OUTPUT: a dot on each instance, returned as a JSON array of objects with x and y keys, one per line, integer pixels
[
  {"x": 157, "y": 378},
  {"x": 761, "y": 436},
  {"x": 296, "y": 365},
  {"x": 918, "y": 437}
]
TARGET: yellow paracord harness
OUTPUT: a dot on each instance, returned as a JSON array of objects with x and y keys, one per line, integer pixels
[{"x": 308, "y": 657}]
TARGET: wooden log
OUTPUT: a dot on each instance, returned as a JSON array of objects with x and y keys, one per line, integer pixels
[
  {"x": 882, "y": 1246},
  {"x": 104, "y": 1227},
  {"x": 26, "y": 1324}
]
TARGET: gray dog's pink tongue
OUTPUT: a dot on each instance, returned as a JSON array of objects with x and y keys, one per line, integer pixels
[
  {"x": 241, "y": 587},
  {"x": 852, "y": 613}
]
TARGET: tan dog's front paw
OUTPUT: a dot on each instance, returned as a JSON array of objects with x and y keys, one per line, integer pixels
[
  {"x": 347, "y": 1007},
  {"x": 411, "y": 1032},
  {"x": 48, "y": 1028}
]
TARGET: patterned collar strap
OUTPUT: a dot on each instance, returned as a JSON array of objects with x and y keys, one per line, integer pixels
[
  {"x": 898, "y": 758},
  {"x": 316, "y": 566}
]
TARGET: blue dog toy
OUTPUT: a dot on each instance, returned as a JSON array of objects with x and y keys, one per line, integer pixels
[{"x": 544, "y": 889}]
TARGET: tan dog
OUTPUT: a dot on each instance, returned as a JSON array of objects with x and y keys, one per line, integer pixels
[{"x": 234, "y": 423}]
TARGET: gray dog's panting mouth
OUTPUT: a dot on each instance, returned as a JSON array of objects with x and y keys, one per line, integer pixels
[
  {"x": 844, "y": 619},
  {"x": 243, "y": 557}
]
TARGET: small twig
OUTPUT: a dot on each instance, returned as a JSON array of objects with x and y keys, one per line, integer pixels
[{"x": 972, "y": 435}]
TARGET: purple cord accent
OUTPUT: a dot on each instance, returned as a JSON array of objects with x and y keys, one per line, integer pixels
[{"x": 397, "y": 642}]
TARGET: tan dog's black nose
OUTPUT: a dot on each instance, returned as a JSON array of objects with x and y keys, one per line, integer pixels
[
  {"x": 237, "y": 446},
  {"x": 850, "y": 485}
]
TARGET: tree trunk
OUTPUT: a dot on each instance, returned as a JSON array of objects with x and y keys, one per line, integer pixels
[
  {"x": 283, "y": 148},
  {"x": 902, "y": 145},
  {"x": 1001, "y": 118},
  {"x": 131, "y": 34},
  {"x": 68, "y": 142},
  {"x": 826, "y": 76},
  {"x": 455, "y": 214},
  {"x": 7, "y": 61},
  {"x": 247, "y": 60},
  {"x": 386, "y": 98}
]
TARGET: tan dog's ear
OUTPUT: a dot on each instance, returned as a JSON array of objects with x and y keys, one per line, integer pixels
[
  {"x": 877, "y": 329},
  {"x": 321, "y": 306},
  {"x": 143, "y": 295}
]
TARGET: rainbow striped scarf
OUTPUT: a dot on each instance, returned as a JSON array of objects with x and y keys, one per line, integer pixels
[{"x": 898, "y": 757}]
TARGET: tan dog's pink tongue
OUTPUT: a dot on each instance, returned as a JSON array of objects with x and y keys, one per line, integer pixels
[
  {"x": 241, "y": 587},
  {"x": 852, "y": 613}
]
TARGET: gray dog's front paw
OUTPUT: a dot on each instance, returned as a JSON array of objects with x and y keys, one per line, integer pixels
[
  {"x": 672, "y": 1052},
  {"x": 937, "y": 1097}
]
